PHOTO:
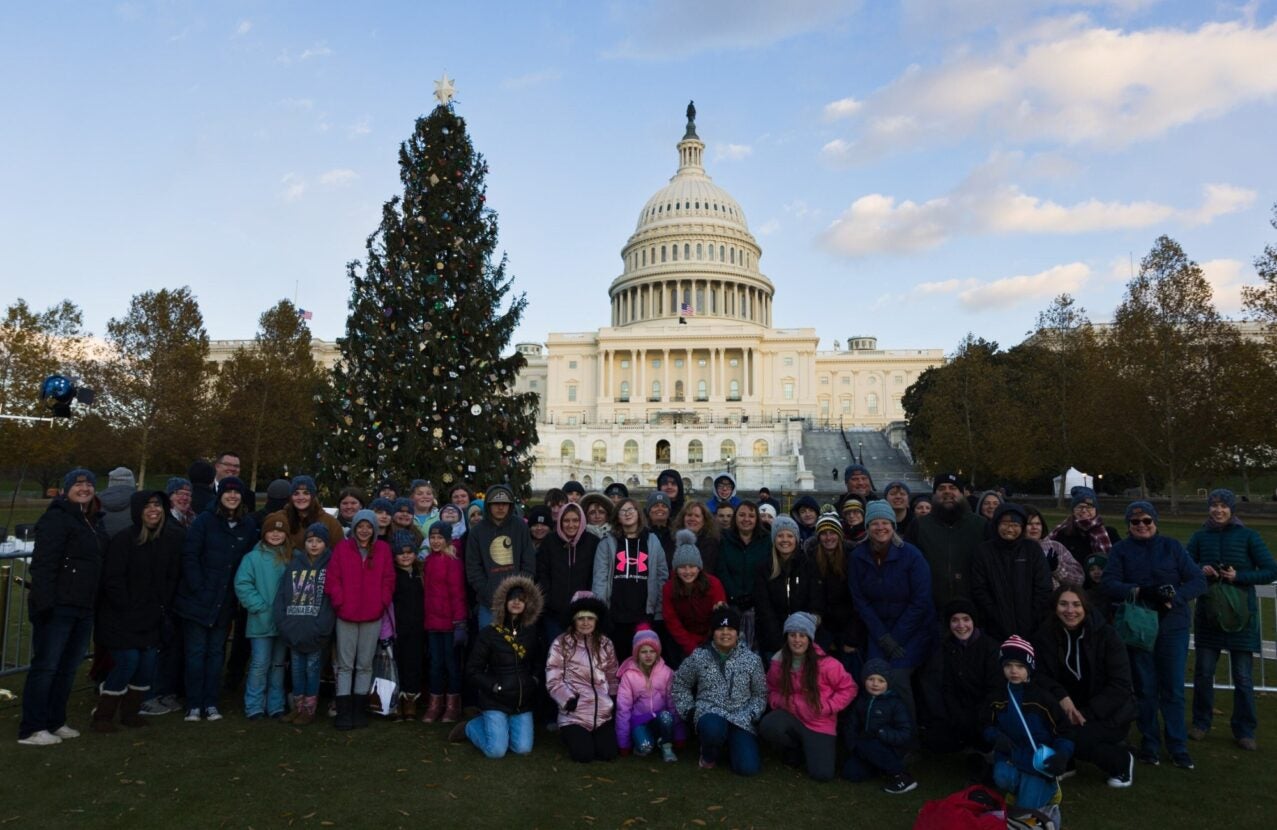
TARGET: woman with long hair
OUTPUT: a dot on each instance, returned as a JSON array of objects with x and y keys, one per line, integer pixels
[
  {"x": 629, "y": 572},
  {"x": 790, "y": 583},
  {"x": 688, "y": 598}
]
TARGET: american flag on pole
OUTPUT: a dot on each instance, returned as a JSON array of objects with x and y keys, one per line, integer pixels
[
  {"x": 304, "y": 314},
  {"x": 686, "y": 310}
]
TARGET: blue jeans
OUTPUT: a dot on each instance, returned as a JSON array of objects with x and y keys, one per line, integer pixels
[
  {"x": 717, "y": 733},
  {"x": 647, "y": 736},
  {"x": 493, "y": 732},
  {"x": 445, "y": 668},
  {"x": 1031, "y": 790},
  {"x": 306, "y": 670},
  {"x": 133, "y": 667},
  {"x": 169, "y": 664},
  {"x": 205, "y": 653},
  {"x": 264, "y": 686},
  {"x": 59, "y": 639},
  {"x": 1159, "y": 689},
  {"x": 1245, "y": 717}
]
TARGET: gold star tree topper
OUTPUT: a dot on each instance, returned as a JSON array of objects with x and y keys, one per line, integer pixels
[{"x": 445, "y": 89}]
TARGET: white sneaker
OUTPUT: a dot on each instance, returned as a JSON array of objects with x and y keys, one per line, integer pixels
[
  {"x": 192, "y": 716},
  {"x": 65, "y": 732},
  {"x": 42, "y": 738},
  {"x": 1123, "y": 780},
  {"x": 211, "y": 713}
]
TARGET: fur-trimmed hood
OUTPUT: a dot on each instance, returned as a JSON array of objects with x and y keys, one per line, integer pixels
[{"x": 532, "y": 600}]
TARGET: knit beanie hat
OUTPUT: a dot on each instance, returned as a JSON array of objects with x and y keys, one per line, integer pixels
[
  {"x": 121, "y": 477},
  {"x": 387, "y": 484},
  {"x": 686, "y": 552},
  {"x": 847, "y": 500},
  {"x": 879, "y": 509},
  {"x": 829, "y": 521},
  {"x": 319, "y": 530},
  {"x": 540, "y": 515},
  {"x": 573, "y": 487},
  {"x": 653, "y": 498},
  {"x": 645, "y": 637},
  {"x": 766, "y": 510},
  {"x": 417, "y": 482},
  {"x": 1136, "y": 506},
  {"x": 958, "y": 605},
  {"x": 381, "y": 505},
  {"x": 402, "y": 505},
  {"x": 724, "y": 616},
  {"x": 499, "y": 494},
  {"x": 852, "y": 469},
  {"x": 896, "y": 484},
  {"x": 618, "y": 490},
  {"x": 876, "y": 666},
  {"x": 201, "y": 472},
  {"x": 303, "y": 481},
  {"x": 75, "y": 475},
  {"x": 1096, "y": 559},
  {"x": 783, "y": 524},
  {"x": 364, "y": 515},
  {"x": 1082, "y": 495},
  {"x": 1017, "y": 649},
  {"x": 279, "y": 489},
  {"x": 945, "y": 478},
  {"x": 801, "y": 622},
  {"x": 401, "y": 539},
  {"x": 233, "y": 483},
  {"x": 439, "y": 528},
  {"x": 1224, "y": 496},
  {"x": 274, "y": 521},
  {"x": 176, "y": 483}
]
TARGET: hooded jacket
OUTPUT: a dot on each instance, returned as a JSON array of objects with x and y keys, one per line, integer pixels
[
  {"x": 611, "y": 563},
  {"x": 1104, "y": 664},
  {"x": 837, "y": 689},
  {"x": 66, "y": 563},
  {"x": 884, "y": 717},
  {"x": 116, "y": 503},
  {"x": 138, "y": 581},
  {"x": 804, "y": 532},
  {"x": 496, "y": 551},
  {"x": 734, "y": 688},
  {"x": 360, "y": 587},
  {"x": 676, "y": 503},
  {"x": 210, "y": 557},
  {"x": 256, "y": 584},
  {"x": 641, "y": 697},
  {"x": 503, "y": 667},
  {"x": 1010, "y": 583},
  {"x": 798, "y": 587},
  {"x": 303, "y": 612},
  {"x": 586, "y": 671},
  {"x": 565, "y": 565},
  {"x": 714, "y": 502}
]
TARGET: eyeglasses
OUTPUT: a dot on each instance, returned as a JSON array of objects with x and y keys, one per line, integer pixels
[
  {"x": 1084, "y": 507},
  {"x": 1146, "y": 521},
  {"x": 627, "y": 510}
]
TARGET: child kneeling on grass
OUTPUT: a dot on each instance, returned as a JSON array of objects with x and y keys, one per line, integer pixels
[
  {"x": 304, "y": 618},
  {"x": 645, "y": 716},
  {"x": 878, "y": 732},
  {"x": 1030, "y": 733}
]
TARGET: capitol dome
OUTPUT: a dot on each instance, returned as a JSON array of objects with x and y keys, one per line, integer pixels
[{"x": 691, "y": 254}]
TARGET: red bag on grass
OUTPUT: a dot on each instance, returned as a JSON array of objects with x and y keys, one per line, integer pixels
[{"x": 975, "y": 808}]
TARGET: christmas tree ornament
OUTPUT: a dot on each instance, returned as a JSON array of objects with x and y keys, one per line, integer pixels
[{"x": 476, "y": 410}]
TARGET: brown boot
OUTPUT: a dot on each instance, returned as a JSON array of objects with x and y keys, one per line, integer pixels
[
  {"x": 294, "y": 709},
  {"x": 434, "y": 709},
  {"x": 453, "y": 709},
  {"x": 408, "y": 706},
  {"x": 104, "y": 712},
  {"x": 305, "y": 710},
  {"x": 130, "y": 704}
]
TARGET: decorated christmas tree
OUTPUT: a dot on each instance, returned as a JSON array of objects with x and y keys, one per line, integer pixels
[{"x": 423, "y": 388}]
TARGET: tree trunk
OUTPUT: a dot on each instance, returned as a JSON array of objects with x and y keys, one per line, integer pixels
[
  {"x": 1246, "y": 480},
  {"x": 141, "y": 466}
]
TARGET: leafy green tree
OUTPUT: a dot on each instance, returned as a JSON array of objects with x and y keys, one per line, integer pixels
[
  {"x": 423, "y": 388},
  {"x": 157, "y": 378},
  {"x": 266, "y": 394}
]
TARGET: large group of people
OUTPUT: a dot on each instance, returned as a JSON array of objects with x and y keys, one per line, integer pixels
[{"x": 847, "y": 635}]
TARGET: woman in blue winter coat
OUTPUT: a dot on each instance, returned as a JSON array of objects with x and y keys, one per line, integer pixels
[
  {"x": 216, "y": 542},
  {"x": 1156, "y": 571},
  {"x": 1234, "y": 559}
]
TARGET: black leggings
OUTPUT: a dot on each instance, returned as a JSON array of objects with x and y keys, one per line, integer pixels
[{"x": 586, "y": 745}]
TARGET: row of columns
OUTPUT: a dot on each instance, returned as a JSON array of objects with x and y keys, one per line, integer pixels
[
  {"x": 610, "y": 375},
  {"x": 717, "y": 298}
]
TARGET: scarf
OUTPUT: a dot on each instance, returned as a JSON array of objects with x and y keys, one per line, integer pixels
[
  {"x": 1094, "y": 529},
  {"x": 1211, "y": 524},
  {"x": 508, "y": 634}
]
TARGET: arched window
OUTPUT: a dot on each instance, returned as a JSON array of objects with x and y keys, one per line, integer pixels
[
  {"x": 722, "y": 255},
  {"x": 643, "y": 259},
  {"x": 733, "y": 389},
  {"x": 687, "y": 251},
  {"x": 625, "y": 390},
  {"x": 587, "y": 482},
  {"x": 708, "y": 484},
  {"x": 871, "y": 403},
  {"x": 695, "y": 452},
  {"x": 711, "y": 253},
  {"x": 678, "y": 390},
  {"x": 674, "y": 253},
  {"x": 727, "y": 450},
  {"x": 662, "y": 253},
  {"x": 631, "y": 451},
  {"x": 702, "y": 390},
  {"x": 760, "y": 448},
  {"x": 662, "y": 451},
  {"x": 599, "y": 453},
  {"x": 656, "y": 390},
  {"x": 698, "y": 250},
  {"x": 733, "y": 256},
  {"x": 567, "y": 451}
]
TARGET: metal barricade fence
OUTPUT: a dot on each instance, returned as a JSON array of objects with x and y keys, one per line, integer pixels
[
  {"x": 1265, "y": 668},
  {"x": 15, "y": 628}
]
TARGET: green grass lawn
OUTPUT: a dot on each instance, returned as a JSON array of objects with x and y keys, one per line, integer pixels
[{"x": 239, "y": 774}]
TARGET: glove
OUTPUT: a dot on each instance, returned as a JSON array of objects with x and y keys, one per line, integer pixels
[
  {"x": 460, "y": 636},
  {"x": 890, "y": 647},
  {"x": 1166, "y": 592},
  {"x": 1002, "y": 745},
  {"x": 570, "y": 706},
  {"x": 1056, "y": 765}
]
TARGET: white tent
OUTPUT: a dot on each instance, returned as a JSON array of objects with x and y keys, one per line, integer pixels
[{"x": 1073, "y": 478}]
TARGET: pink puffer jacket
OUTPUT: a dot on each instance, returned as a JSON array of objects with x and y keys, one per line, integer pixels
[
  {"x": 640, "y": 698},
  {"x": 589, "y": 675},
  {"x": 837, "y": 690}
]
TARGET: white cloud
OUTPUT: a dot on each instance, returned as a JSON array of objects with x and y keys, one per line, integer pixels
[
  {"x": 294, "y": 187},
  {"x": 1070, "y": 82},
  {"x": 663, "y": 29},
  {"x": 361, "y": 127},
  {"x": 319, "y": 50},
  {"x": 532, "y": 79},
  {"x": 769, "y": 227},
  {"x": 338, "y": 177},
  {"x": 975, "y": 295},
  {"x": 1226, "y": 277},
  {"x": 244, "y": 27},
  {"x": 732, "y": 152},
  {"x": 842, "y": 108},
  {"x": 1220, "y": 199}
]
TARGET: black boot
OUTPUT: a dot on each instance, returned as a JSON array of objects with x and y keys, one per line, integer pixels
[
  {"x": 344, "y": 720},
  {"x": 360, "y": 711}
]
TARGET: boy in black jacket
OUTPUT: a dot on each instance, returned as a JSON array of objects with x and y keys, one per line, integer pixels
[{"x": 877, "y": 732}]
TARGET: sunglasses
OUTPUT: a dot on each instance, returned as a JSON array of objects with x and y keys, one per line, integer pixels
[{"x": 1146, "y": 521}]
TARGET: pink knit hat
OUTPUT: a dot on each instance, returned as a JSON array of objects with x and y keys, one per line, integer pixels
[{"x": 645, "y": 637}]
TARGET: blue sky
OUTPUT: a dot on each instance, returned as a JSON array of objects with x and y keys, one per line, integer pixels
[{"x": 912, "y": 170}]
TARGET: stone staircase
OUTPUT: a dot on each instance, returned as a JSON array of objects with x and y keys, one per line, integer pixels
[{"x": 824, "y": 451}]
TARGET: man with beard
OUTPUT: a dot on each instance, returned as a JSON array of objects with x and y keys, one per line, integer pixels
[{"x": 948, "y": 537}]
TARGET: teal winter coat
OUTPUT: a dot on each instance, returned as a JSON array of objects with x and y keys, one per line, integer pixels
[
  {"x": 1243, "y": 549},
  {"x": 256, "y": 583}
]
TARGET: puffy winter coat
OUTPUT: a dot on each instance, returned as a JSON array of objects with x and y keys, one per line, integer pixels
[
  {"x": 687, "y": 617},
  {"x": 1134, "y": 563},
  {"x": 798, "y": 587},
  {"x": 66, "y": 564},
  {"x": 641, "y": 697},
  {"x": 958, "y": 677},
  {"x": 1045, "y": 719},
  {"x": 585, "y": 671},
  {"x": 1010, "y": 586},
  {"x": 837, "y": 690},
  {"x": 445, "y": 586},
  {"x": 360, "y": 587},
  {"x": 948, "y": 548},
  {"x": 210, "y": 558},
  {"x": 735, "y": 689},
  {"x": 840, "y": 625},
  {"x": 303, "y": 613},
  {"x": 894, "y": 599},
  {"x": 138, "y": 581},
  {"x": 884, "y": 717},
  {"x": 1109, "y": 697},
  {"x": 503, "y": 668},
  {"x": 256, "y": 584},
  {"x": 1243, "y": 549}
]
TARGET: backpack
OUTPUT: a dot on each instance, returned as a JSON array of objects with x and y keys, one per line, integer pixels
[{"x": 975, "y": 808}]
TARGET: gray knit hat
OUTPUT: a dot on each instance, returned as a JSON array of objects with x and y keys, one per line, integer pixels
[
  {"x": 783, "y": 523},
  {"x": 802, "y": 623},
  {"x": 879, "y": 510},
  {"x": 686, "y": 552}
]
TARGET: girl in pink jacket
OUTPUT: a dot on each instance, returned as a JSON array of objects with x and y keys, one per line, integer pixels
[
  {"x": 806, "y": 689},
  {"x": 645, "y": 715},
  {"x": 360, "y": 584},
  {"x": 444, "y": 575},
  {"x": 580, "y": 676}
]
